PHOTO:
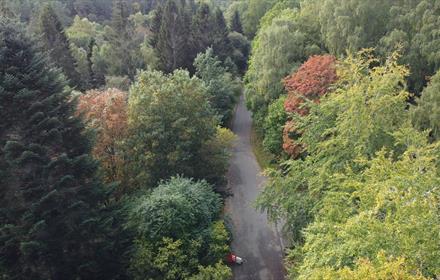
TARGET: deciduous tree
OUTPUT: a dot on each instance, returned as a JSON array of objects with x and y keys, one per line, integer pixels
[
  {"x": 426, "y": 114},
  {"x": 167, "y": 132},
  {"x": 105, "y": 112},
  {"x": 308, "y": 84}
]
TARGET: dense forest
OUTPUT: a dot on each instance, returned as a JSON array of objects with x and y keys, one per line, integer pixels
[{"x": 115, "y": 137}]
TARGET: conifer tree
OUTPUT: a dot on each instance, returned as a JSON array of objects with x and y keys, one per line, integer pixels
[
  {"x": 202, "y": 28},
  {"x": 155, "y": 26},
  {"x": 94, "y": 80},
  {"x": 236, "y": 25},
  {"x": 221, "y": 43},
  {"x": 56, "y": 43},
  {"x": 52, "y": 222},
  {"x": 120, "y": 40},
  {"x": 173, "y": 39},
  {"x": 120, "y": 16}
]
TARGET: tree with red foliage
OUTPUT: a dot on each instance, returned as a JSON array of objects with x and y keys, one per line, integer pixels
[
  {"x": 106, "y": 113},
  {"x": 311, "y": 81}
]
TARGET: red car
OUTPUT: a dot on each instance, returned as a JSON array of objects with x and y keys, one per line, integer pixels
[{"x": 233, "y": 259}]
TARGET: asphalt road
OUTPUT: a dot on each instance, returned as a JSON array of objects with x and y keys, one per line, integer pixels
[{"x": 255, "y": 239}]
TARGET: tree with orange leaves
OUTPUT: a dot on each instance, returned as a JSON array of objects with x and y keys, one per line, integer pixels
[
  {"x": 105, "y": 112},
  {"x": 311, "y": 81}
]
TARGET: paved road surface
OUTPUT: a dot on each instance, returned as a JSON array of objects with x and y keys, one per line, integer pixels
[{"x": 254, "y": 239}]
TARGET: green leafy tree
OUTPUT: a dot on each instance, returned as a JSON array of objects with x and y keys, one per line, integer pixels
[
  {"x": 240, "y": 51},
  {"x": 222, "y": 88},
  {"x": 426, "y": 115},
  {"x": 55, "y": 42},
  {"x": 354, "y": 24},
  {"x": 256, "y": 9},
  {"x": 53, "y": 220},
  {"x": 166, "y": 259},
  {"x": 382, "y": 268},
  {"x": 216, "y": 155},
  {"x": 217, "y": 272},
  {"x": 177, "y": 231},
  {"x": 349, "y": 123},
  {"x": 179, "y": 209},
  {"x": 274, "y": 126},
  {"x": 413, "y": 28},
  {"x": 167, "y": 132},
  {"x": 410, "y": 26},
  {"x": 377, "y": 211},
  {"x": 218, "y": 242},
  {"x": 280, "y": 46}
]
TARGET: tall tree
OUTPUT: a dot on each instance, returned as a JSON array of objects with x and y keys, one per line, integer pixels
[
  {"x": 167, "y": 132},
  {"x": 105, "y": 112},
  {"x": 173, "y": 39},
  {"x": 426, "y": 115},
  {"x": 256, "y": 9},
  {"x": 202, "y": 28},
  {"x": 155, "y": 26},
  {"x": 51, "y": 220},
  {"x": 55, "y": 42},
  {"x": 221, "y": 87},
  {"x": 280, "y": 46},
  {"x": 220, "y": 42},
  {"x": 177, "y": 231},
  {"x": 236, "y": 25},
  {"x": 120, "y": 14},
  {"x": 120, "y": 38}
]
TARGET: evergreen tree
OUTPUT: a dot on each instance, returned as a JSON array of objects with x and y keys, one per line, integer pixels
[
  {"x": 94, "y": 81},
  {"x": 51, "y": 203},
  {"x": 221, "y": 43},
  {"x": 120, "y": 16},
  {"x": 236, "y": 25},
  {"x": 202, "y": 28},
  {"x": 56, "y": 43},
  {"x": 172, "y": 41},
  {"x": 155, "y": 26},
  {"x": 120, "y": 40}
]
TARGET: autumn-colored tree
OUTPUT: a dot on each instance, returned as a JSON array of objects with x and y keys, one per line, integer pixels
[
  {"x": 105, "y": 112},
  {"x": 311, "y": 81}
]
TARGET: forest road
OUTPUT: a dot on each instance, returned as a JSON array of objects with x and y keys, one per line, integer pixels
[{"x": 254, "y": 239}]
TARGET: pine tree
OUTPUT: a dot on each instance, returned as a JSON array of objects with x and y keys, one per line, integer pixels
[
  {"x": 155, "y": 26},
  {"x": 221, "y": 44},
  {"x": 56, "y": 43},
  {"x": 51, "y": 202},
  {"x": 236, "y": 25},
  {"x": 120, "y": 16},
  {"x": 202, "y": 28},
  {"x": 94, "y": 79},
  {"x": 120, "y": 39},
  {"x": 173, "y": 39}
]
